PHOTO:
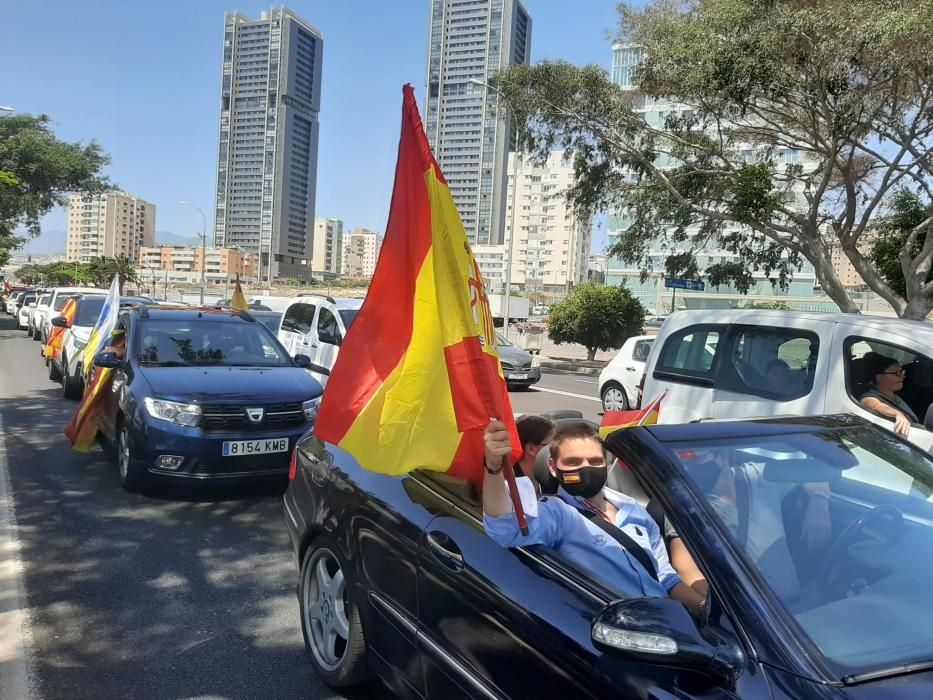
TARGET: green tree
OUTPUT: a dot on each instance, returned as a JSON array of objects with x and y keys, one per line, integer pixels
[
  {"x": 100, "y": 271},
  {"x": 37, "y": 171},
  {"x": 797, "y": 122},
  {"x": 895, "y": 246},
  {"x": 597, "y": 317}
]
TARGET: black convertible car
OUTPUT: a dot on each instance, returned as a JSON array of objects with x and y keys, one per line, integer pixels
[{"x": 398, "y": 579}]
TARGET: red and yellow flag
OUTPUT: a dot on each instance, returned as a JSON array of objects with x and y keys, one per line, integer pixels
[
  {"x": 616, "y": 420},
  {"x": 238, "y": 300},
  {"x": 82, "y": 429},
  {"x": 418, "y": 377},
  {"x": 53, "y": 345}
]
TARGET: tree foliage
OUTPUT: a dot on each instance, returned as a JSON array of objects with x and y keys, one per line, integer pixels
[
  {"x": 791, "y": 124},
  {"x": 98, "y": 272},
  {"x": 597, "y": 317},
  {"x": 37, "y": 171},
  {"x": 890, "y": 243}
]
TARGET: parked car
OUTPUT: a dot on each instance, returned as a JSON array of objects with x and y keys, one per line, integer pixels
[
  {"x": 619, "y": 381},
  {"x": 397, "y": 579},
  {"x": 24, "y": 307},
  {"x": 39, "y": 313},
  {"x": 654, "y": 322},
  {"x": 270, "y": 319},
  {"x": 315, "y": 326},
  {"x": 739, "y": 364},
  {"x": 14, "y": 302},
  {"x": 66, "y": 364},
  {"x": 519, "y": 367},
  {"x": 205, "y": 395},
  {"x": 59, "y": 296}
]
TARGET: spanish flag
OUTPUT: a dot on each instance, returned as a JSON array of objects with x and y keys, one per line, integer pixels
[
  {"x": 616, "y": 420},
  {"x": 418, "y": 377},
  {"x": 238, "y": 300},
  {"x": 82, "y": 429},
  {"x": 56, "y": 335}
]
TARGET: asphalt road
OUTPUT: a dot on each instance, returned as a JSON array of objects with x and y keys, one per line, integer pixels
[{"x": 171, "y": 595}]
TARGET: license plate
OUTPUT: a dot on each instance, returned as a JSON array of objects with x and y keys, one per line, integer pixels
[
  {"x": 242, "y": 448},
  {"x": 518, "y": 376}
]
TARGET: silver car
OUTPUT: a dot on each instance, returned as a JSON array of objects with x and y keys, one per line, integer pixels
[{"x": 521, "y": 370}]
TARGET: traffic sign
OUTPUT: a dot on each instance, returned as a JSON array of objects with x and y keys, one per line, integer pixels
[{"x": 692, "y": 285}]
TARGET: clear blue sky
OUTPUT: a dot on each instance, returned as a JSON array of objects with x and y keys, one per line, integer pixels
[{"x": 143, "y": 79}]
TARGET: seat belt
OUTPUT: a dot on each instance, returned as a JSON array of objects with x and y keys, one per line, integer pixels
[{"x": 627, "y": 543}]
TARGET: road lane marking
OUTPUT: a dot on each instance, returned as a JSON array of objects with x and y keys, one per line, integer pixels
[
  {"x": 566, "y": 393},
  {"x": 14, "y": 665}
]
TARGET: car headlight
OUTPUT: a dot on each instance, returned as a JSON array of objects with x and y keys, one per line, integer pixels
[
  {"x": 173, "y": 411},
  {"x": 535, "y": 361},
  {"x": 311, "y": 407},
  {"x": 79, "y": 342}
]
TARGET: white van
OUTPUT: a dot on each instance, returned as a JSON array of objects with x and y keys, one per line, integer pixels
[
  {"x": 315, "y": 326},
  {"x": 60, "y": 295},
  {"x": 742, "y": 364}
]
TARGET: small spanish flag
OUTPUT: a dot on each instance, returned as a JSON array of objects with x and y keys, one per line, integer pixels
[{"x": 616, "y": 420}]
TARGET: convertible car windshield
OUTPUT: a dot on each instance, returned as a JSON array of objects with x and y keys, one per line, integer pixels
[{"x": 839, "y": 523}]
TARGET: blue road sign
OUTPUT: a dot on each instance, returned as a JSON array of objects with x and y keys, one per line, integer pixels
[{"x": 692, "y": 285}]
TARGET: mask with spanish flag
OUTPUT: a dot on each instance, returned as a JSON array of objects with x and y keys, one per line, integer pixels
[{"x": 584, "y": 482}]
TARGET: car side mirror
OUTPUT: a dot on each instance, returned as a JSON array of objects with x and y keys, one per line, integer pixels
[
  {"x": 319, "y": 369},
  {"x": 106, "y": 360},
  {"x": 59, "y": 322},
  {"x": 661, "y": 631},
  {"x": 31, "y": 305},
  {"x": 302, "y": 361}
]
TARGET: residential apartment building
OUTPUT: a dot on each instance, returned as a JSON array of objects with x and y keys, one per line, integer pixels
[
  {"x": 267, "y": 156},
  {"x": 469, "y": 40},
  {"x": 328, "y": 246},
  {"x": 551, "y": 250},
  {"x": 651, "y": 291},
  {"x": 111, "y": 224},
  {"x": 219, "y": 264},
  {"x": 360, "y": 252}
]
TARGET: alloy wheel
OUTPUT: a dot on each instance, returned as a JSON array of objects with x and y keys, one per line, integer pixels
[
  {"x": 325, "y": 609},
  {"x": 123, "y": 453},
  {"x": 614, "y": 399}
]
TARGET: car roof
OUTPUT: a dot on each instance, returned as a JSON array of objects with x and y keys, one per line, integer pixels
[
  {"x": 186, "y": 313},
  {"x": 726, "y": 316},
  {"x": 78, "y": 290},
  {"x": 759, "y": 427}
]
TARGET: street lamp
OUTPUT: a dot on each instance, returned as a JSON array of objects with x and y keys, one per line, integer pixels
[
  {"x": 203, "y": 245},
  {"x": 511, "y": 247}
]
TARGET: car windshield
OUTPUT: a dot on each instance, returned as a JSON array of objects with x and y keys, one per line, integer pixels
[
  {"x": 839, "y": 523},
  {"x": 89, "y": 311},
  {"x": 347, "y": 315},
  {"x": 205, "y": 341},
  {"x": 270, "y": 319},
  {"x": 503, "y": 343}
]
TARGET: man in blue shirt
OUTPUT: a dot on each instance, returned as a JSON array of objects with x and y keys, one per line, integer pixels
[{"x": 579, "y": 464}]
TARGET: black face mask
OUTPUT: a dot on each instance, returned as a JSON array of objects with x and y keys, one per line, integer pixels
[{"x": 584, "y": 482}]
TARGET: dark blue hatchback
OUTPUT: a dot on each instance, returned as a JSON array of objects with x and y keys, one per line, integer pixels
[{"x": 203, "y": 394}]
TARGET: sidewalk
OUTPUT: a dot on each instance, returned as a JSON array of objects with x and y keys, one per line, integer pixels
[{"x": 567, "y": 357}]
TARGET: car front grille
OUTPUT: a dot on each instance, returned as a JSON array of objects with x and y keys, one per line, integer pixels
[
  {"x": 234, "y": 418},
  {"x": 507, "y": 366}
]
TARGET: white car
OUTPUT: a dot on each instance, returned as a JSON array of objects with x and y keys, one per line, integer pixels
[
  {"x": 314, "y": 326},
  {"x": 23, "y": 308},
  {"x": 39, "y": 313},
  {"x": 618, "y": 382},
  {"x": 739, "y": 364},
  {"x": 60, "y": 295}
]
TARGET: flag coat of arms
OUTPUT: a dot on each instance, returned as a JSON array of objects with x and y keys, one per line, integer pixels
[{"x": 418, "y": 377}]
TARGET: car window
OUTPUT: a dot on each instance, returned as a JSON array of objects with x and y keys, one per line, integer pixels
[
  {"x": 327, "y": 325},
  {"x": 45, "y": 299},
  {"x": 207, "y": 342},
  {"x": 918, "y": 380},
  {"x": 60, "y": 301},
  {"x": 89, "y": 311},
  {"x": 774, "y": 363},
  {"x": 347, "y": 316},
  {"x": 862, "y": 593},
  {"x": 299, "y": 318},
  {"x": 690, "y": 354},
  {"x": 641, "y": 350}
]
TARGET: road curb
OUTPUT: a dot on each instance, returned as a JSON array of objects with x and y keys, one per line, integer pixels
[
  {"x": 571, "y": 367},
  {"x": 14, "y": 664}
]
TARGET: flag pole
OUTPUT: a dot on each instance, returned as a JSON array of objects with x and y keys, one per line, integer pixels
[{"x": 509, "y": 473}]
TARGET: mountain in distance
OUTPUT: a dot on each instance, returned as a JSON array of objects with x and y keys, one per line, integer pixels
[{"x": 52, "y": 242}]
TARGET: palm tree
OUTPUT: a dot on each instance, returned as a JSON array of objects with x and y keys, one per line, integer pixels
[{"x": 126, "y": 268}]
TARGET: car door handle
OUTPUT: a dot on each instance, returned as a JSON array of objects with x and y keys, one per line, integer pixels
[
  {"x": 631, "y": 369},
  {"x": 446, "y": 550}
]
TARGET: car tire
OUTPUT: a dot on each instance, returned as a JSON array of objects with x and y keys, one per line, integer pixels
[
  {"x": 330, "y": 620},
  {"x": 36, "y": 334},
  {"x": 132, "y": 477},
  {"x": 55, "y": 373},
  {"x": 71, "y": 386},
  {"x": 613, "y": 397}
]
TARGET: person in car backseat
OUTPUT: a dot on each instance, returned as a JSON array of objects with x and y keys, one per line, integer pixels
[
  {"x": 535, "y": 433},
  {"x": 887, "y": 377},
  {"x": 578, "y": 463}
]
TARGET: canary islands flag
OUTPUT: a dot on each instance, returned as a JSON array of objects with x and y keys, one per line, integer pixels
[
  {"x": 105, "y": 325},
  {"x": 418, "y": 376}
]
